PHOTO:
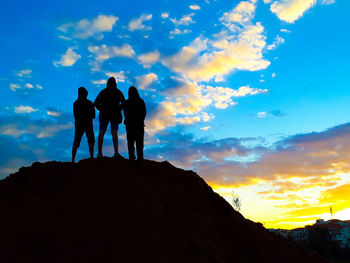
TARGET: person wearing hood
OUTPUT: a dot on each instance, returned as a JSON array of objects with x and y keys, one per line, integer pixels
[
  {"x": 84, "y": 113},
  {"x": 109, "y": 103},
  {"x": 135, "y": 114}
]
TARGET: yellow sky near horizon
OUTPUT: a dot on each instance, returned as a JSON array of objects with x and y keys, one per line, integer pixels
[{"x": 291, "y": 208}]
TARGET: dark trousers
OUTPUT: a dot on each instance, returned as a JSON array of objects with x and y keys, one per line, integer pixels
[{"x": 135, "y": 135}]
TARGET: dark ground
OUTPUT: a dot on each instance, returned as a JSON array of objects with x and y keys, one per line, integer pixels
[{"x": 108, "y": 210}]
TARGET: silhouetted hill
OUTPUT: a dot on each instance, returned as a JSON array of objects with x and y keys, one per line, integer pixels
[{"x": 107, "y": 210}]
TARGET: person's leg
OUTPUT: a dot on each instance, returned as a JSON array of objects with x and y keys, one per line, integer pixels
[
  {"x": 91, "y": 140},
  {"x": 91, "y": 150},
  {"x": 101, "y": 134},
  {"x": 74, "y": 152},
  {"x": 76, "y": 143},
  {"x": 131, "y": 141},
  {"x": 139, "y": 143},
  {"x": 114, "y": 131},
  {"x": 115, "y": 140}
]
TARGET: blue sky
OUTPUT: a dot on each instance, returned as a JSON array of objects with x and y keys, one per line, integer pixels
[{"x": 228, "y": 86}]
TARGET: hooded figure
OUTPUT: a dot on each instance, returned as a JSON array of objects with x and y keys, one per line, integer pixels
[
  {"x": 84, "y": 113},
  {"x": 109, "y": 103},
  {"x": 135, "y": 114}
]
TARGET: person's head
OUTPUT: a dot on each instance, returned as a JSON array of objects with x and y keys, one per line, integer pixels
[
  {"x": 133, "y": 93},
  {"x": 82, "y": 93},
  {"x": 111, "y": 83}
]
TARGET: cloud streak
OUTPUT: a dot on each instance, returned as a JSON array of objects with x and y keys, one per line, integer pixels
[
  {"x": 25, "y": 109},
  {"x": 86, "y": 28},
  {"x": 137, "y": 23},
  {"x": 104, "y": 52},
  {"x": 68, "y": 59}
]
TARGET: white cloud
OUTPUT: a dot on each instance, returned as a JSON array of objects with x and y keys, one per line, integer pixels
[
  {"x": 327, "y": 2},
  {"x": 285, "y": 30},
  {"x": 222, "y": 96},
  {"x": 99, "y": 82},
  {"x": 185, "y": 102},
  {"x": 183, "y": 21},
  {"x": 137, "y": 24},
  {"x": 51, "y": 130},
  {"x": 243, "y": 13},
  {"x": 103, "y": 53},
  {"x": 14, "y": 87},
  {"x": 41, "y": 128},
  {"x": 205, "y": 128},
  {"x": 165, "y": 15},
  {"x": 184, "y": 60},
  {"x": 261, "y": 115},
  {"x": 241, "y": 53},
  {"x": 145, "y": 81},
  {"x": 207, "y": 117},
  {"x": 24, "y": 109},
  {"x": 68, "y": 59},
  {"x": 24, "y": 72},
  {"x": 119, "y": 76},
  {"x": 273, "y": 75},
  {"x": 40, "y": 132},
  {"x": 177, "y": 31},
  {"x": 29, "y": 86},
  {"x": 291, "y": 10},
  {"x": 86, "y": 28},
  {"x": 238, "y": 48},
  {"x": 195, "y": 7},
  {"x": 124, "y": 36},
  {"x": 32, "y": 86},
  {"x": 278, "y": 41},
  {"x": 149, "y": 58},
  {"x": 54, "y": 113}
]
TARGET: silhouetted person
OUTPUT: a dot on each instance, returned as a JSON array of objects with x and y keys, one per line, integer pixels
[
  {"x": 108, "y": 102},
  {"x": 84, "y": 113},
  {"x": 135, "y": 114}
]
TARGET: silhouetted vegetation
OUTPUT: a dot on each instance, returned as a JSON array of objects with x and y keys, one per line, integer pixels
[{"x": 236, "y": 201}]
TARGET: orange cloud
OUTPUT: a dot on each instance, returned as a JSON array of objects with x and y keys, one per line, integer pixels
[{"x": 296, "y": 181}]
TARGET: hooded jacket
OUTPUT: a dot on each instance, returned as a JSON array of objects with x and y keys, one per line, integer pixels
[
  {"x": 134, "y": 109},
  {"x": 83, "y": 109},
  {"x": 108, "y": 102}
]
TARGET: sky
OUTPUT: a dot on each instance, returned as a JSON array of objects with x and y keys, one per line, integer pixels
[{"x": 253, "y": 95}]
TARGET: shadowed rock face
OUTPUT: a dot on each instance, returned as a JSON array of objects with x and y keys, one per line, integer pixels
[{"x": 107, "y": 210}]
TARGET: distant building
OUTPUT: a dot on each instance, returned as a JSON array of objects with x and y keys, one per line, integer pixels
[{"x": 339, "y": 231}]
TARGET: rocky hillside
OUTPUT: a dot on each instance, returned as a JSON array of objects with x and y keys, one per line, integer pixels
[{"x": 108, "y": 210}]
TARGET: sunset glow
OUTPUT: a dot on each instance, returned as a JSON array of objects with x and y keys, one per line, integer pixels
[{"x": 253, "y": 95}]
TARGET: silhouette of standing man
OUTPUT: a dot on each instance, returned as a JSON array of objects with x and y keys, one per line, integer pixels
[
  {"x": 108, "y": 102},
  {"x": 84, "y": 113},
  {"x": 135, "y": 114}
]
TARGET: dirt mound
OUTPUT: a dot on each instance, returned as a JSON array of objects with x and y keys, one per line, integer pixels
[{"x": 108, "y": 210}]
